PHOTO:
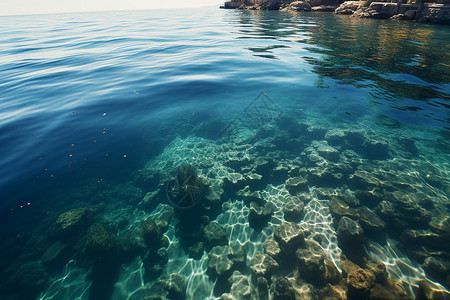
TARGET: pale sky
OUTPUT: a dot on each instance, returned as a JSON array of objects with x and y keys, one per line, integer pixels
[{"x": 19, "y": 7}]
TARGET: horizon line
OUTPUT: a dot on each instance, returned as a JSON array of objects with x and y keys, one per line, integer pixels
[{"x": 106, "y": 10}]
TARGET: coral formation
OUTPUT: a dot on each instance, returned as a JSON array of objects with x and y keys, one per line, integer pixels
[
  {"x": 99, "y": 243},
  {"x": 74, "y": 220}
]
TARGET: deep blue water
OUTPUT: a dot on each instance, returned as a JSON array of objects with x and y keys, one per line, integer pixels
[{"x": 86, "y": 100}]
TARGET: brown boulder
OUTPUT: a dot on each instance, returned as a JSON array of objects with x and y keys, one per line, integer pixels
[{"x": 359, "y": 283}]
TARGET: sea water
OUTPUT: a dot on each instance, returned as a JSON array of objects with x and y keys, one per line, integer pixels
[{"x": 287, "y": 119}]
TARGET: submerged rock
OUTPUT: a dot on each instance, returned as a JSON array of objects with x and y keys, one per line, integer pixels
[
  {"x": 335, "y": 137},
  {"x": 171, "y": 286},
  {"x": 262, "y": 288},
  {"x": 234, "y": 180},
  {"x": 282, "y": 289},
  {"x": 263, "y": 265},
  {"x": 150, "y": 200},
  {"x": 408, "y": 206},
  {"x": 259, "y": 215},
  {"x": 350, "y": 139},
  {"x": 196, "y": 251},
  {"x": 359, "y": 283},
  {"x": 254, "y": 176},
  {"x": 407, "y": 142},
  {"x": 191, "y": 230},
  {"x": 176, "y": 286},
  {"x": 364, "y": 180},
  {"x": 74, "y": 220},
  {"x": 425, "y": 201},
  {"x": 328, "y": 176},
  {"x": 99, "y": 242},
  {"x": 130, "y": 243},
  {"x": 349, "y": 232},
  {"x": 271, "y": 248},
  {"x": 388, "y": 289},
  {"x": 215, "y": 235},
  {"x": 214, "y": 195},
  {"x": 441, "y": 225},
  {"x": 293, "y": 209},
  {"x": 240, "y": 287},
  {"x": 437, "y": 268},
  {"x": 378, "y": 269},
  {"x": 405, "y": 203},
  {"x": 333, "y": 292},
  {"x": 290, "y": 236},
  {"x": 306, "y": 291},
  {"x": 386, "y": 209},
  {"x": 281, "y": 172},
  {"x": 226, "y": 296},
  {"x": 151, "y": 233},
  {"x": 379, "y": 291},
  {"x": 311, "y": 261},
  {"x": 239, "y": 257},
  {"x": 296, "y": 184},
  {"x": 162, "y": 216},
  {"x": 371, "y": 197},
  {"x": 351, "y": 238},
  {"x": 154, "y": 262},
  {"x": 315, "y": 132},
  {"x": 264, "y": 166},
  {"x": 331, "y": 273},
  {"x": 326, "y": 151},
  {"x": 427, "y": 291},
  {"x": 375, "y": 149},
  {"x": 220, "y": 260},
  {"x": 147, "y": 178},
  {"x": 340, "y": 209},
  {"x": 348, "y": 266},
  {"x": 254, "y": 181},
  {"x": 346, "y": 196},
  {"x": 370, "y": 221},
  {"x": 416, "y": 237},
  {"x": 248, "y": 196}
]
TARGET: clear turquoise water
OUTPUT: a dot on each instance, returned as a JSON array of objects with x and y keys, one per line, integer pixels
[{"x": 88, "y": 101}]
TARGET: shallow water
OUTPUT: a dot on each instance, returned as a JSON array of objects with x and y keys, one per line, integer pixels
[{"x": 99, "y": 109}]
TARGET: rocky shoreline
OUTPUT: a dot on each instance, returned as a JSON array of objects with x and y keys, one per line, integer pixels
[{"x": 434, "y": 13}]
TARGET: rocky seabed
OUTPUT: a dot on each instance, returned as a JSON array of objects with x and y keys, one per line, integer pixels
[{"x": 289, "y": 211}]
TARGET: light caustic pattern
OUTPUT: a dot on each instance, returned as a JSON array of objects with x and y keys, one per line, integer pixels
[
  {"x": 131, "y": 284},
  {"x": 318, "y": 222},
  {"x": 415, "y": 174},
  {"x": 401, "y": 269},
  {"x": 207, "y": 156},
  {"x": 278, "y": 196},
  {"x": 72, "y": 285},
  {"x": 198, "y": 284},
  {"x": 235, "y": 220}
]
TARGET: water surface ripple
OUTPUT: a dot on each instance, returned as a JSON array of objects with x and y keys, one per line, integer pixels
[{"x": 91, "y": 97}]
